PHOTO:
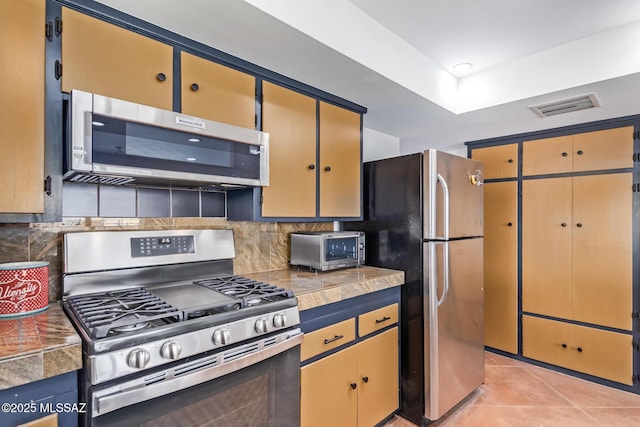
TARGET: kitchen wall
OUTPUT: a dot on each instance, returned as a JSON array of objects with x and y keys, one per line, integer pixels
[{"x": 259, "y": 246}]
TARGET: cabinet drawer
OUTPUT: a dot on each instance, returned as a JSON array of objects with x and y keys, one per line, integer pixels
[
  {"x": 377, "y": 319},
  {"x": 327, "y": 338},
  {"x": 593, "y": 351}
]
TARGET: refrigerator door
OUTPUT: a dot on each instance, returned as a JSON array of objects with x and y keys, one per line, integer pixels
[
  {"x": 453, "y": 323},
  {"x": 453, "y": 196}
]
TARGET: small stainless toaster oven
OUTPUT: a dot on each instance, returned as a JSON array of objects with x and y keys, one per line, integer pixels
[{"x": 327, "y": 250}]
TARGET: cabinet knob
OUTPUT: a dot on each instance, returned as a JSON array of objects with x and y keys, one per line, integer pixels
[
  {"x": 510, "y": 161},
  {"x": 510, "y": 224},
  {"x": 195, "y": 87},
  {"x": 161, "y": 77},
  {"x": 564, "y": 224},
  {"x": 579, "y": 349},
  {"x": 312, "y": 167},
  {"x": 564, "y": 345},
  {"x": 580, "y": 153},
  {"x": 328, "y": 168},
  {"x": 353, "y": 386},
  {"x": 565, "y": 154},
  {"x": 365, "y": 379},
  {"x": 579, "y": 225}
]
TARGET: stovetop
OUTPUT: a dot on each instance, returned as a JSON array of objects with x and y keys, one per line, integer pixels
[{"x": 129, "y": 312}]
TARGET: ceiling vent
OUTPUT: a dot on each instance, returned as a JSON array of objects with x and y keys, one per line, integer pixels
[{"x": 566, "y": 105}]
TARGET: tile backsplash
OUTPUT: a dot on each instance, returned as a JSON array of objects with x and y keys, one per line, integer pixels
[{"x": 259, "y": 246}]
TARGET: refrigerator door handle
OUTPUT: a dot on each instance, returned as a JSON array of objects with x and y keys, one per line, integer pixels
[
  {"x": 445, "y": 274},
  {"x": 447, "y": 205}
]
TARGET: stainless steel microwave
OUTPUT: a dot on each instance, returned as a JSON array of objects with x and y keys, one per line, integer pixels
[
  {"x": 119, "y": 142},
  {"x": 327, "y": 250}
]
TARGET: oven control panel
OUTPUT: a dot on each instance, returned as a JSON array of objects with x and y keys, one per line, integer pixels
[{"x": 162, "y": 245}]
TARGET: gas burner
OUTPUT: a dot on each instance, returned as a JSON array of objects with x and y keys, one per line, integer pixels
[
  {"x": 121, "y": 311},
  {"x": 250, "y": 292}
]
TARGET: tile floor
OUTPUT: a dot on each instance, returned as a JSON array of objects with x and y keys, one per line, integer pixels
[{"x": 524, "y": 395}]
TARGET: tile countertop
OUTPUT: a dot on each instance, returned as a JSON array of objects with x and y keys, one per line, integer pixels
[
  {"x": 316, "y": 289},
  {"x": 38, "y": 346}
]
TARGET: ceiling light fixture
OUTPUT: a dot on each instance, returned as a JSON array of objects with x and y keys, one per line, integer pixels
[{"x": 463, "y": 67}]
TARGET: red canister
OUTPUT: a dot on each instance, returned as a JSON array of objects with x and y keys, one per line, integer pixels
[{"x": 24, "y": 288}]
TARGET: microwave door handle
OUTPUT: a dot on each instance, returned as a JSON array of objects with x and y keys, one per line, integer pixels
[{"x": 446, "y": 205}]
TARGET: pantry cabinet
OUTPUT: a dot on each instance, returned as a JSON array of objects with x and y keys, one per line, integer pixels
[
  {"x": 216, "y": 92},
  {"x": 22, "y": 108},
  {"x": 601, "y": 353},
  {"x": 577, "y": 254},
  {"x": 559, "y": 274},
  {"x": 350, "y": 374},
  {"x": 103, "y": 58},
  {"x": 501, "y": 265}
]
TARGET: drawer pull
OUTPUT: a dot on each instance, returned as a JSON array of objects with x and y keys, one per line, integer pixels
[
  {"x": 365, "y": 379},
  {"x": 564, "y": 345},
  {"x": 336, "y": 338},
  {"x": 579, "y": 349},
  {"x": 384, "y": 319},
  {"x": 353, "y": 386}
]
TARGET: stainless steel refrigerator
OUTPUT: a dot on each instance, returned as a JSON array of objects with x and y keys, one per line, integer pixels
[{"x": 423, "y": 213}]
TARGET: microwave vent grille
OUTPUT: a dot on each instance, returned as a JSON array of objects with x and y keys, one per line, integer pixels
[{"x": 101, "y": 179}]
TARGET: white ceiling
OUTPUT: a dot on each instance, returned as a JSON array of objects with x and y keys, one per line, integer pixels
[{"x": 396, "y": 57}]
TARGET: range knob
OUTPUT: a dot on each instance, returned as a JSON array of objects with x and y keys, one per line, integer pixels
[
  {"x": 279, "y": 320},
  {"x": 170, "y": 350},
  {"x": 221, "y": 337},
  {"x": 261, "y": 326},
  {"x": 138, "y": 358}
]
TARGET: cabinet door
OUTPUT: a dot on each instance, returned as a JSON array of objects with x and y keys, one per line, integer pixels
[
  {"x": 547, "y": 341},
  {"x": 601, "y": 353},
  {"x": 548, "y": 155},
  {"x": 290, "y": 119},
  {"x": 378, "y": 388},
  {"x": 102, "y": 58},
  {"x": 501, "y": 266},
  {"x": 604, "y": 149},
  {"x": 340, "y": 162},
  {"x": 329, "y": 391},
  {"x": 547, "y": 246},
  {"x": 500, "y": 161},
  {"x": 22, "y": 59},
  {"x": 602, "y": 249},
  {"x": 213, "y": 91}
]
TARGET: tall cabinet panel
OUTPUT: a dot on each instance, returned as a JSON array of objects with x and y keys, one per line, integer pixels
[
  {"x": 109, "y": 60},
  {"x": 22, "y": 89},
  {"x": 547, "y": 246},
  {"x": 290, "y": 119},
  {"x": 339, "y": 162},
  {"x": 500, "y": 265},
  {"x": 213, "y": 91}
]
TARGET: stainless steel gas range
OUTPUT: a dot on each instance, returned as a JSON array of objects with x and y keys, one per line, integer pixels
[{"x": 172, "y": 337}]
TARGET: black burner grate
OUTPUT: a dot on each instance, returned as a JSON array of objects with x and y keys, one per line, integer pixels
[
  {"x": 120, "y": 311},
  {"x": 250, "y": 292}
]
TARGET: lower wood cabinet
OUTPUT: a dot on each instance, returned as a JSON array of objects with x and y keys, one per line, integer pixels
[
  {"x": 597, "y": 352},
  {"x": 357, "y": 386},
  {"x": 350, "y": 372}
]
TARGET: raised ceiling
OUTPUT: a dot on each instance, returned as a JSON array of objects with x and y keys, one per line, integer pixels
[{"x": 396, "y": 57}]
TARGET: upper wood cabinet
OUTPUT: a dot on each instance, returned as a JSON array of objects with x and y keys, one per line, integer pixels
[
  {"x": 102, "y": 58},
  {"x": 290, "y": 119},
  {"x": 340, "y": 162},
  {"x": 215, "y": 92},
  {"x": 22, "y": 111},
  {"x": 501, "y": 265},
  {"x": 500, "y": 161},
  {"x": 598, "y": 150},
  {"x": 577, "y": 248}
]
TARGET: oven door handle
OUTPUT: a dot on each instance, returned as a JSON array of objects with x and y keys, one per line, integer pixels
[{"x": 209, "y": 368}]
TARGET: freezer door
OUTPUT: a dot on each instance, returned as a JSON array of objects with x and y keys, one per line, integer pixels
[
  {"x": 453, "y": 196},
  {"x": 453, "y": 323}
]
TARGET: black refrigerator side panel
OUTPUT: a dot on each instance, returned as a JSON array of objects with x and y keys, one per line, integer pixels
[{"x": 393, "y": 225}]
